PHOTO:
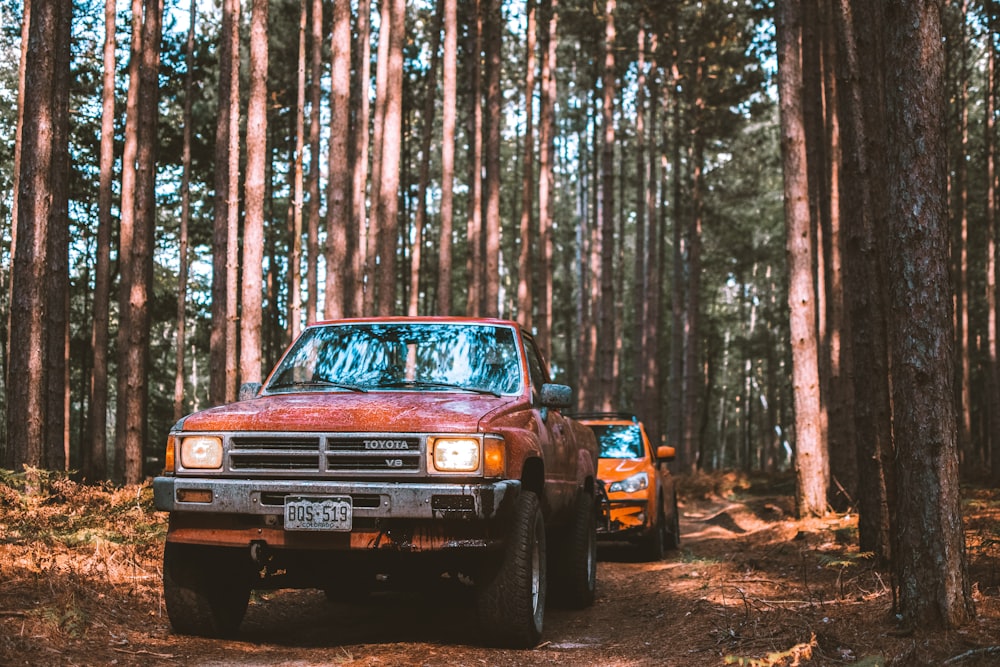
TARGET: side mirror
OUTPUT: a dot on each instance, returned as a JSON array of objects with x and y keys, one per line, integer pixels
[
  {"x": 249, "y": 390},
  {"x": 665, "y": 453},
  {"x": 556, "y": 396}
]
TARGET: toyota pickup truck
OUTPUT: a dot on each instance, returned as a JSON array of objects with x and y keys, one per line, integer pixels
[{"x": 388, "y": 449}]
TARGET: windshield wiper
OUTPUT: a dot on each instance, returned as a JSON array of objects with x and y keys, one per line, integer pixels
[
  {"x": 434, "y": 385},
  {"x": 318, "y": 383}
]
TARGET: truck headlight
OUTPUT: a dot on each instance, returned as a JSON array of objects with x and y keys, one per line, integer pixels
[
  {"x": 201, "y": 452},
  {"x": 455, "y": 454},
  {"x": 630, "y": 485}
]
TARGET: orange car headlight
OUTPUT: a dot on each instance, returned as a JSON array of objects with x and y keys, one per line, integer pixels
[{"x": 631, "y": 484}]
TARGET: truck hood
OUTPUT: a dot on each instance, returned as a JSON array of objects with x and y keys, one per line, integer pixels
[{"x": 376, "y": 412}]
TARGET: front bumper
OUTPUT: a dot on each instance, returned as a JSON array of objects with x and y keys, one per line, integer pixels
[
  {"x": 372, "y": 500},
  {"x": 391, "y": 516},
  {"x": 624, "y": 518}
]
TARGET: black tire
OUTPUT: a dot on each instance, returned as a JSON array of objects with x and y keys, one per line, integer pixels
[
  {"x": 511, "y": 599},
  {"x": 206, "y": 589},
  {"x": 574, "y": 571},
  {"x": 654, "y": 545}
]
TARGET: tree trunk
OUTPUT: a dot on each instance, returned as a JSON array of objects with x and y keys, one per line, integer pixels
[
  {"x": 341, "y": 240},
  {"x": 810, "y": 457},
  {"x": 27, "y": 418},
  {"x": 546, "y": 173},
  {"x": 864, "y": 280},
  {"x": 363, "y": 258},
  {"x": 474, "y": 235},
  {"x": 927, "y": 521},
  {"x": 94, "y": 465},
  {"x": 222, "y": 379},
  {"x": 606, "y": 337},
  {"x": 427, "y": 134},
  {"x": 295, "y": 206},
  {"x": 388, "y": 164},
  {"x": 525, "y": 297},
  {"x": 491, "y": 156},
  {"x": 251, "y": 311},
  {"x": 137, "y": 241},
  {"x": 312, "y": 184},
  {"x": 448, "y": 121},
  {"x": 182, "y": 271}
]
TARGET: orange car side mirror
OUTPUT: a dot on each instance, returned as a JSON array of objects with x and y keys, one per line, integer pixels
[{"x": 665, "y": 453}]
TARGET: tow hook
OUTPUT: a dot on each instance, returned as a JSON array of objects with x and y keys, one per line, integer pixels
[{"x": 258, "y": 552}]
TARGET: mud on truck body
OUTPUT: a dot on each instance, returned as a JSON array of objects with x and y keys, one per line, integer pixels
[{"x": 393, "y": 448}]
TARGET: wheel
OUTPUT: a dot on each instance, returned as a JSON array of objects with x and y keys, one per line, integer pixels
[
  {"x": 511, "y": 598},
  {"x": 574, "y": 571},
  {"x": 654, "y": 545},
  {"x": 206, "y": 589}
]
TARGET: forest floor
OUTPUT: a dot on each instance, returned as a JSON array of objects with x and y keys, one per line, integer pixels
[{"x": 80, "y": 585}]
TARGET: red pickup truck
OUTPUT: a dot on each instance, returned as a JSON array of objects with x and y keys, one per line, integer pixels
[{"x": 390, "y": 448}]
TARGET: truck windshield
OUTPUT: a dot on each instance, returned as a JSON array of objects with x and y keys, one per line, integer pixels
[
  {"x": 402, "y": 357},
  {"x": 618, "y": 442}
]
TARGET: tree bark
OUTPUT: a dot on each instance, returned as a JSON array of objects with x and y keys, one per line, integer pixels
[
  {"x": 222, "y": 378},
  {"x": 182, "y": 271},
  {"x": 137, "y": 241},
  {"x": 341, "y": 243},
  {"x": 427, "y": 134},
  {"x": 474, "y": 234},
  {"x": 448, "y": 121},
  {"x": 491, "y": 156},
  {"x": 546, "y": 173},
  {"x": 810, "y": 457},
  {"x": 864, "y": 279},
  {"x": 251, "y": 310},
  {"x": 927, "y": 521},
  {"x": 388, "y": 164},
  {"x": 315, "y": 159},
  {"x": 606, "y": 337},
  {"x": 525, "y": 297},
  {"x": 28, "y": 368}
]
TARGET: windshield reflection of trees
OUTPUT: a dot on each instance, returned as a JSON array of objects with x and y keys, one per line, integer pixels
[
  {"x": 619, "y": 442},
  {"x": 374, "y": 356}
]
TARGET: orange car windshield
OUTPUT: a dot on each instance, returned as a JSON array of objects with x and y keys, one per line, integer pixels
[
  {"x": 402, "y": 357},
  {"x": 619, "y": 441}
]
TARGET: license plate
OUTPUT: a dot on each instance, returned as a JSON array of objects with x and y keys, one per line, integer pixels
[{"x": 319, "y": 513}]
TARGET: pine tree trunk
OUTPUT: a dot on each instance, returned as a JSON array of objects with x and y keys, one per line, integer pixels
[
  {"x": 94, "y": 448},
  {"x": 427, "y": 134},
  {"x": 491, "y": 157},
  {"x": 222, "y": 378},
  {"x": 295, "y": 205},
  {"x": 448, "y": 122},
  {"x": 315, "y": 160},
  {"x": 27, "y": 420},
  {"x": 525, "y": 297},
  {"x": 605, "y": 303},
  {"x": 137, "y": 241},
  {"x": 363, "y": 258},
  {"x": 251, "y": 310},
  {"x": 862, "y": 184},
  {"x": 929, "y": 557},
  {"x": 810, "y": 457},
  {"x": 546, "y": 174},
  {"x": 341, "y": 240},
  {"x": 474, "y": 234},
  {"x": 182, "y": 271}
]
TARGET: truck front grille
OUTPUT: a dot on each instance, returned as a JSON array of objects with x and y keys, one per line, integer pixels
[{"x": 376, "y": 454}]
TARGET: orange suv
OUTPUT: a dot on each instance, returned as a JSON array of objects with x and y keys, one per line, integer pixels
[{"x": 639, "y": 499}]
